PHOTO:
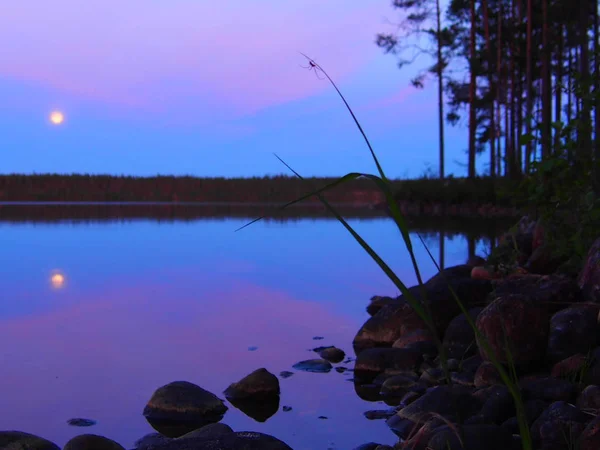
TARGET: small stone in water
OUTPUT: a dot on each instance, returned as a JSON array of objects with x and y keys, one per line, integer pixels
[
  {"x": 286, "y": 374},
  {"x": 287, "y": 408},
  {"x": 314, "y": 365},
  {"x": 318, "y": 338},
  {"x": 78, "y": 422},
  {"x": 323, "y": 417},
  {"x": 252, "y": 349},
  {"x": 340, "y": 369}
]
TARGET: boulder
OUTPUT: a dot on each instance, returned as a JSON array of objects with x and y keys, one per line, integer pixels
[
  {"x": 92, "y": 442},
  {"x": 259, "y": 384},
  {"x": 573, "y": 330},
  {"x": 375, "y": 361},
  {"x": 516, "y": 328},
  {"x": 18, "y": 440},
  {"x": 180, "y": 407}
]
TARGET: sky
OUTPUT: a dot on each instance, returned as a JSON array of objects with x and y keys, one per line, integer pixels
[{"x": 206, "y": 88}]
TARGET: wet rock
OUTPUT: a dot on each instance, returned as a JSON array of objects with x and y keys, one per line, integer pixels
[
  {"x": 92, "y": 442},
  {"x": 533, "y": 409},
  {"x": 367, "y": 391},
  {"x": 459, "y": 338},
  {"x": 486, "y": 375},
  {"x": 402, "y": 427},
  {"x": 573, "y": 330},
  {"x": 419, "y": 340},
  {"x": 450, "y": 402},
  {"x": 19, "y": 440},
  {"x": 379, "y": 414},
  {"x": 244, "y": 440},
  {"x": 285, "y": 374},
  {"x": 323, "y": 417},
  {"x": 590, "y": 436},
  {"x": 286, "y": 408},
  {"x": 555, "y": 292},
  {"x": 549, "y": 389},
  {"x": 522, "y": 323},
  {"x": 258, "y": 385},
  {"x": 570, "y": 367},
  {"x": 471, "y": 364},
  {"x": 260, "y": 409},
  {"x": 399, "y": 385},
  {"x": 471, "y": 437},
  {"x": 435, "y": 375},
  {"x": 589, "y": 399},
  {"x": 378, "y": 302},
  {"x": 79, "y": 422},
  {"x": 314, "y": 366},
  {"x": 373, "y": 361},
  {"x": 367, "y": 446},
  {"x": 557, "y": 422},
  {"x": 151, "y": 440},
  {"x": 340, "y": 369},
  {"x": 543, "y": 261},
  {"x": 318, "y": 338},
  {"x": 499, "y": 406},
  {"x": 421, "y": 437},
  {"x": 392, "y": 322},
  {"x": 211, "y": 431},
  {"x": 450, "y": 273},
  {"x": 180, "y": 407},
  {"x": 463, "y": 378},
  {"x": 332, "y": 354},
  {"x": 589, "y": 278}
]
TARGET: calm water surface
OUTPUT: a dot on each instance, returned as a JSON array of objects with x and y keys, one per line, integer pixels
[{"x": 145, "y": 303}]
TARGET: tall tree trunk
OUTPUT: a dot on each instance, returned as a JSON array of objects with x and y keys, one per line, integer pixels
[
  {"x": 499, "y": 92},
  {"x": 558, "y": 85},
  {"x": 584, "y": 70},
  {"x": 440, "y": 77},
  {"x": 546, "y": 130},
  {"x": 597, "y": 98},
  {"x": 472, "y": 93},
  {"x": 519, "y": 91},
  {"x": 486, "y": 26},
  {"x": 529, "y": 88}
]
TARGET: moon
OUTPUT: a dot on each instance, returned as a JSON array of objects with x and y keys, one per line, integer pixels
[
  {"x": 57, "y": 280},
  {"x": 56, "y": 117}
]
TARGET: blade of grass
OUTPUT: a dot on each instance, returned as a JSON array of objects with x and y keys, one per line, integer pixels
[{"x": 395, "y": 211}]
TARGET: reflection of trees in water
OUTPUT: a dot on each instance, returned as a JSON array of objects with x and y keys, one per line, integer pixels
[
  {"x": 483, "y": 240},
  {"x": 435, "y": 231}
]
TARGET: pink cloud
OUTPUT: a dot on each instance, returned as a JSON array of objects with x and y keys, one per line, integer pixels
[{"x": 234, "y": 58}]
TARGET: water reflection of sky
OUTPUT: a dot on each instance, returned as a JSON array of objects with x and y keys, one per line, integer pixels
[{"x": 145, "y": 303}]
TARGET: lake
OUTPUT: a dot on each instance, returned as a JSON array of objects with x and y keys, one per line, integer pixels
[{"x": 140, "y": 302}]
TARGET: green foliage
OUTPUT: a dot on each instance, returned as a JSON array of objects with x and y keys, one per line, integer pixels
[{"x": 561, "y": 192}]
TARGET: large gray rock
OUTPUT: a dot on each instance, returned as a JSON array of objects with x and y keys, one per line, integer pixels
[
  {"x": 180, "y": 407},
  {"x": 92, "y": 442},
  {"x": 18, "y": 440}
]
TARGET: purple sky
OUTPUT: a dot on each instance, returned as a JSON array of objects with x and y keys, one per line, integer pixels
[{"x": 209, "y": 89}]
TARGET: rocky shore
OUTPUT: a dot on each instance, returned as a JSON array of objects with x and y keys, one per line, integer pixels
[{"x": 540, "y": 318}]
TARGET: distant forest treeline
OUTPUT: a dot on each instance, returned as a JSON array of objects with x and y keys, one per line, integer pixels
[{"x": 268, "y": 189}]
